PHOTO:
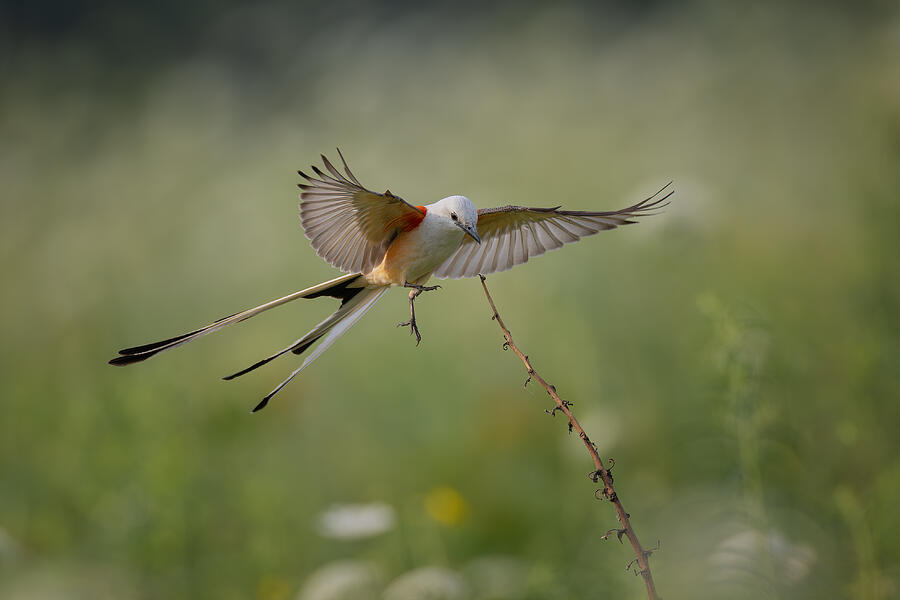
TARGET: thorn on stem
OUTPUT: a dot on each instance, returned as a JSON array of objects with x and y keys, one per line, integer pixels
[
  {"x": 552, "y": 411},
  {"x": 605, "y": 493},
  {"x": 649, "y": 551},
  {"x": 619, "y": 533},
  {"x": 527, "y": 381},
  {"x": 609, "y": 495},
  {"x": 597, "y": 475}
]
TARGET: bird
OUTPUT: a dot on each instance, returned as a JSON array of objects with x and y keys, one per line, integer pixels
[{"x": 382, "y": 241}]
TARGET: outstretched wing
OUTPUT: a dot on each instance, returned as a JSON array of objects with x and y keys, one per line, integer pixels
[
  {"x": 510, "y": 235},
  {"x": 348, "y": 225}
]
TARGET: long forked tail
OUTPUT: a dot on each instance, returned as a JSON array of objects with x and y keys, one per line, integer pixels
[
  {"x": 328, "y": 331},
  {"x": 341, "y": 287}
]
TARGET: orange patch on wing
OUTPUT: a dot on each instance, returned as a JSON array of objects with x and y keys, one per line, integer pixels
[{"x": 407, "y": 221}]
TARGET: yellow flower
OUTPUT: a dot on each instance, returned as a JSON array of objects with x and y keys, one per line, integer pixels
[
  {"x": 446, "y": 505},
  {"x": 272, "y": 588}
]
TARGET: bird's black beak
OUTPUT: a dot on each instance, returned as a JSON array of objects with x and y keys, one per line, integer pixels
[{"x": 470, "y": 231}]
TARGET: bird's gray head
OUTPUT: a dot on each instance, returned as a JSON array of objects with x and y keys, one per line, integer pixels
[{"x": 460, "y": 211}]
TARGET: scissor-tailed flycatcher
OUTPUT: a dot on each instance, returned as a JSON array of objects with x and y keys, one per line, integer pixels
[{"x": 381, "y": 241}]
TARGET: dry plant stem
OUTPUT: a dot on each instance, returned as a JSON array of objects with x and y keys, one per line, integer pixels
[{"x": 608, "y": 491}]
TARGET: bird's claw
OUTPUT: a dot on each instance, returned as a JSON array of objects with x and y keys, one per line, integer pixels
[
  {"x": 422, "y": 288},
  {"x": 413, "y": 329}
]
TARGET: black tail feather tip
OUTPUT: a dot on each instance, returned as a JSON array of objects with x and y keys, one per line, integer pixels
[
  {"x": 248, "y": 369},
  {"x": 262, "y": 404},
  {"x": 129, "y": 359}
]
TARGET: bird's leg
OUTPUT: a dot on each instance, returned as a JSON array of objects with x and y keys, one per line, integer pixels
[
  {"x": 421, "y": 288},
  {"x": 413, "y": 329},
  {"x": 413, "y": 294}
]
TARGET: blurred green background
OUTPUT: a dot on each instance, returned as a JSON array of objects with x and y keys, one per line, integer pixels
[{"x": 736, "y": 355}]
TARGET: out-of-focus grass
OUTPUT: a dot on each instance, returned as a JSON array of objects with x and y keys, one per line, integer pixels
[{"x": 736, "y": 355}]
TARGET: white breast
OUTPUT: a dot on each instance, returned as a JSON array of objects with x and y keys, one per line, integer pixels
[
  {"x": 414, "y": 255},
  {"x": 438, "y": 239}
]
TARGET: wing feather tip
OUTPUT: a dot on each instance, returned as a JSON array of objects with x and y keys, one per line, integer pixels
[{"x": 333, "y": 171}]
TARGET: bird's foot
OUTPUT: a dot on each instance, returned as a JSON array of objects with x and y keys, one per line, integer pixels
[
  {"x": 416, "y": 290},
  {"x": 413, "y": 329},
  {"x": 421, "y": 288}
]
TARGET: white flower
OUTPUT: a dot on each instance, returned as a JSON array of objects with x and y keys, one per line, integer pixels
[
  {"x": 355, "y": 521},
  {"x": 428, "y": 583},
  {"x": 343, "y": 580},
  {"x": 9, "y": 547},
  {"x": 497, "y": 577},
  {"x": 755, "y": 552}
]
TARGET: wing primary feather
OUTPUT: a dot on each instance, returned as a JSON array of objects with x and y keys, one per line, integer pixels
[
  {"x": 347, "y": 169},
  {"x": 512, "y": 240},
  {"x": 324, "y": 177},
  {"x": 556, "y": 241},
  {"x": 324, "y": 238},
  {"x": 333, "y": 171},
  {"x": 486, "y": 254},
  {"x": 524, "y": 243},
  {"x": 358, "y": 252},
  {"x": 579, "y": 229},
  {"x": 502, "y": 246},
  {"x": 465, "y": 264}
]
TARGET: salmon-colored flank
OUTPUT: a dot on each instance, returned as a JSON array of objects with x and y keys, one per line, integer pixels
[
  {"x": 399, "y": 254},
  {"x": 407, "y": 221}
]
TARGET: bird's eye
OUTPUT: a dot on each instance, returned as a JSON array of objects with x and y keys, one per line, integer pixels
[{"x": 453, "y": 216}]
